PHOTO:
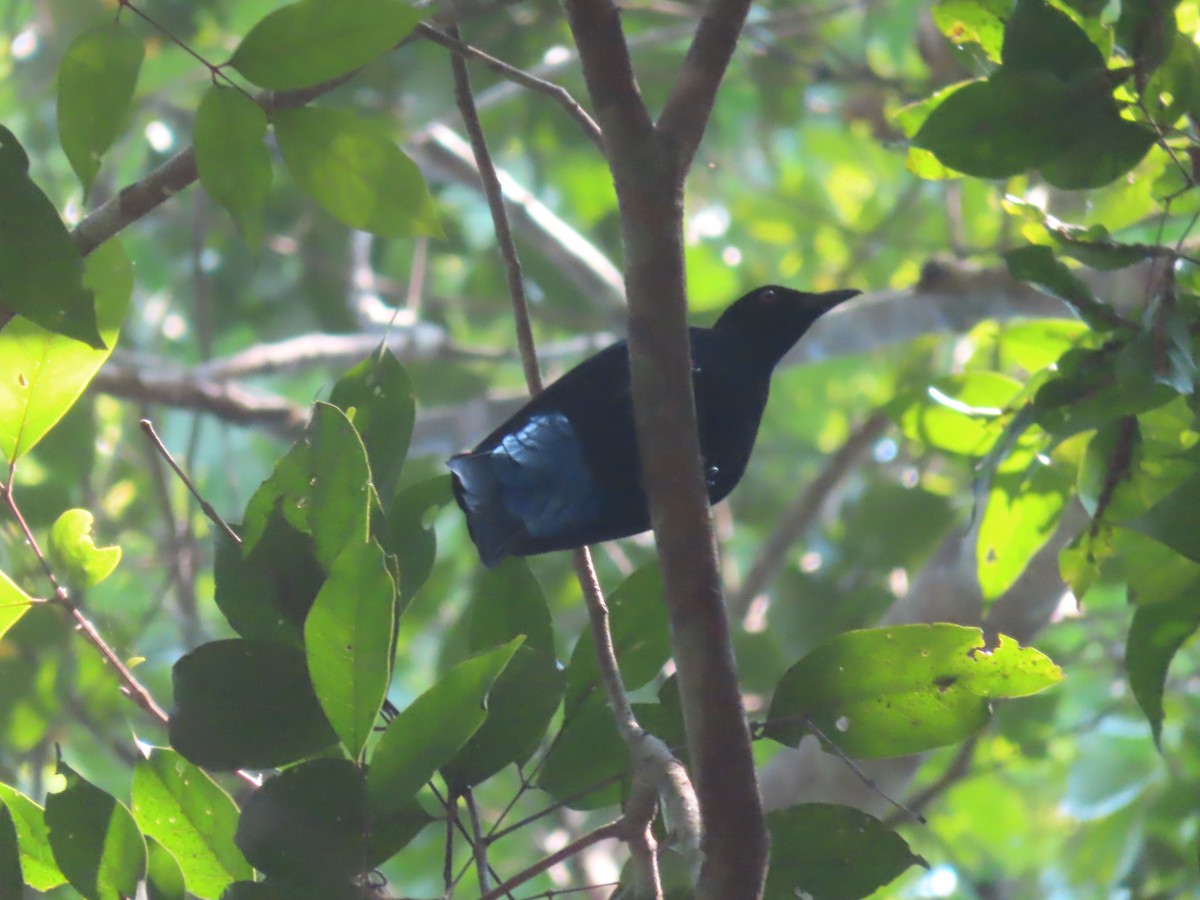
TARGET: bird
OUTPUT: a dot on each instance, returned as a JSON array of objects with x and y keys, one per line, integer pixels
[{"x": 563, "y": 471}]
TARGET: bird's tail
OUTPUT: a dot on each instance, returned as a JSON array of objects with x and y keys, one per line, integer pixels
[{"x": 477, "y": 491}]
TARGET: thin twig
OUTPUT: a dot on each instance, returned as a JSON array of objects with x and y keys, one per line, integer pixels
[
  {"x": 209, "y": 510},
  {"x": 479, "y": 843},
  {"x": 604, "y": 832},
  {"x": 495, "y": 200},
  {"x": 555, "y": 92}
]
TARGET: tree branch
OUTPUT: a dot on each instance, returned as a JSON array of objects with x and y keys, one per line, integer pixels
[{"x": 648, "y": 169}]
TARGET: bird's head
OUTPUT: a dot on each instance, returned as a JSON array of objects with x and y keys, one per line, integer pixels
[{"x": 772, "y": 318}]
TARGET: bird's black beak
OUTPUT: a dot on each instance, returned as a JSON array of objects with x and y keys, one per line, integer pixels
[{"x": 830, "y": 299}]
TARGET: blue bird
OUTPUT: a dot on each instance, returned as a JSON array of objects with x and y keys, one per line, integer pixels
[{"x": 563, "y": 470}]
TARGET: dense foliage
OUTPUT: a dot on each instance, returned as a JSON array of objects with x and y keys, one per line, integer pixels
[{"x": 355, "y": 704}]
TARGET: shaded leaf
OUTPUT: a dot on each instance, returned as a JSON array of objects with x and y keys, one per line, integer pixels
[
  {"x": 587, "y": 752},
  {"x": 232, "y": 158},
  {"x": 95, "y": 840},
  {"x": 41, "y": 272},
  {"x": 1157, "y": 632},
  {"x": 1038, "y": 37},
  {"x": 426, "y": 734},
  {"x": 892, "y": 691},
  {"x": 348, "y": 642},
  {"x": 355, "y": 171},
  {"x": 11, "y": 879},
  {"x": 96, "y": 80},
  {"x": 339, "y": 484},
  {"x": 1111, "y": 147},
  {"x": 164, "y": 878},
  {"x": 246, "y": 704},
  {"x": 192, "y": 817},
  {"x": 1175, "y": 520},
  {"x": 831, "y": 852},
  {"x": 306, "y": 43},
  {"x": 410, "y": 534},
  {"x": 378, "y": 396}
]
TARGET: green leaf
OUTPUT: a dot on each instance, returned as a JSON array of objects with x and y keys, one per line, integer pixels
[
  {"x": 308, "y": 823},
  {"x": 410, "y": 535},
  {"x": 1008, "y": 124},
  {"x": 41, "y": 272},
  {"x": 973, "y": 21},
  {"x": 74, "y": 549},
  {"x": 306, "y": 43},
  {"x": 355, "y": 171},
  {"x": 1021, "y": 516},
  {"x": 508, "y": 602},
  {"x": 232, "y": 158},
  {"x": 587, "y": 752},
  {"x": 96, "y": 81},
  {"x": 95, "y": 839},
  {"x": 832, "y": 852},
  {"x": 221, "y": 722},
  {"x": 433, "y": 728},
  {"x": 14, "y": 603},
  {"x": 1038, "y": 37},
  {"x": 284, "y": 493},
  {"x": 957, "y": 414},
  {"x": 1110, "y": 148},
  {"x": 892, "y": 691},
  {"x": 192, "y": 817},
  {"x": 164, "y": 877},
  {"x": 33, "y": 838},
  {"x": 640, "y": 634},
  {"x": 1038, "y": 266},
  {"x": 1175, "y": 519},
  {"x": 1156, "y": 633},
  {"x": 42, "y": 373},
  {"x": 339, "y": 484},
  {"x": 11, "y": 879},
  {"x": 378, "y": 396},
  {"x": 348, "y": 642}
]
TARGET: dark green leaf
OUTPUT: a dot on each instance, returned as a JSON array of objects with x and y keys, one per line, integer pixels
[
  {"x": 348, "y": 641},
  {"x": 1147, "y": 30},
  {"x": 520, "y": 706},
  {"x": 586, "y": 753},
  {"x": 1008, "y": 124},
  {"x": 164, "y": 878},
  {"x": 1175, "y": 520},
  {"x": 433, "y": 728},
  {"x": 246, "y": 704},
  {"x": 96, "y": 81},
  {"x": 1038, "y": 266},
  {"x": 1096, "y": 248},
  {"x": 11, "y": 879},
  {"x": 378, "y": 396},
  {"x": 267, "y": 593},
  {"x": 41, "y": 272},
  {"x": 355, "y": 171},
  {"x": 1110, "y": 148},
  {"x": 33, "y": 837},
  {"x": 306, "y": 43},
  {"x": 831, "y": 852},
  {"x": 892, "y": 691},
  {"x": 309, "y": 823},
  {"x": 46, "y": 371},
  {"x": 1157, "y": 632},
  {"x": 640, "y": 634},
  {"x": 192, "y": 817},
  {"x": 232, "y": 158},
  {"x": 1039, "y": 37},
  {"x": 340, "y": 492},
  {"x": 95, "y": 839},
  {"x": 410, "y": 535},
  {"x": 508, "y": 602},
  {"x": 284, "y": 493}
]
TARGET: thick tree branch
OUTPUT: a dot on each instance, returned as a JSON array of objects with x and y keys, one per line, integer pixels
[{"x": 648, "y": 170}]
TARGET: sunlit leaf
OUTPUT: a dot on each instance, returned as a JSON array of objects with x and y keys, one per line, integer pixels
[
  {"x": 42, "y": 373},
  {"x": 898, "y": 690},
  {"x": 74, "y": 549},
  {"x": 40, "y": 870}
]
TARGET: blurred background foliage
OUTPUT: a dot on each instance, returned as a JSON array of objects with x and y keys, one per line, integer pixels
[{"x": 805, "y": 178}]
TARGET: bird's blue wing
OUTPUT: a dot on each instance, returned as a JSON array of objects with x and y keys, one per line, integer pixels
[{"x": 533, "y": 482}]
